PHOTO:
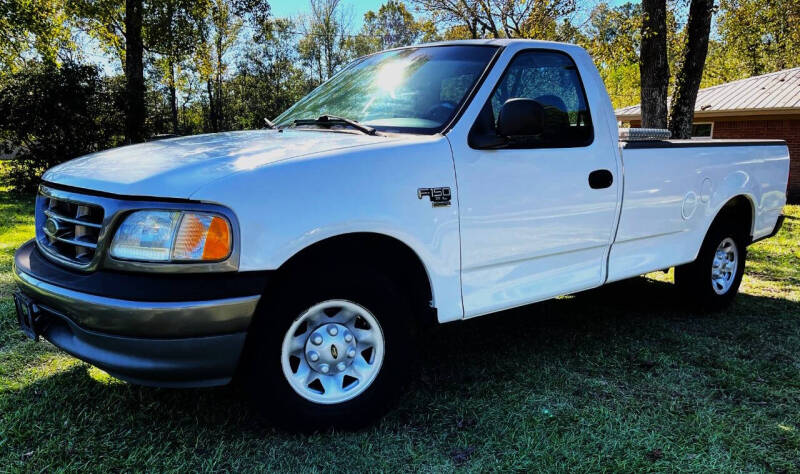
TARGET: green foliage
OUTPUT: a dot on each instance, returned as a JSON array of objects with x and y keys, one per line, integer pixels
[
  {"x": 761, "y": 35},
  {"x": 103, "y": 20},
  {"x": 323, "y": 47},
  {"x": 268, "y": 80},
  {"x": 31, "y": 27},
  {"x": 392, "y": 26},
  {"x": 498, "y": 18},
  {"x": 50, "y": 114},
  {"x": 612, "y": 36},
  {"x": 172, "y": 34}
]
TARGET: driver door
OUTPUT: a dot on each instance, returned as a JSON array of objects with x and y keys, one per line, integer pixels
[{"x": 532, "y": 224}]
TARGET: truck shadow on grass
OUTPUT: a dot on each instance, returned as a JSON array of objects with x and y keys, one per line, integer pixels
[{"x": 632, "y": 342}]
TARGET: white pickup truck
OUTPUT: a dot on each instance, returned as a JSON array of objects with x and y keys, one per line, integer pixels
[{"x": 425, "y": 184}]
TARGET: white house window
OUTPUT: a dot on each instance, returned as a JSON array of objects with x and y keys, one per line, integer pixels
[{"x": 702, "y": 130}]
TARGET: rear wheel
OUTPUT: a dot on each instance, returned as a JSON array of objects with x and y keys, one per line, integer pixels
[
  {"x": 713, "y": 280},
  {"x": 331, "y": 350}
]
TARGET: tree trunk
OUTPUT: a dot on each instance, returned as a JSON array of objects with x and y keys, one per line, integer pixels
[
  {"x": 330, "y": 39},
  {"x": 219, "y": 115},
  {"x": 320, "y": 67},
  {"x": 691, "y": 72},
  {"x": 653, "y": 65},
  {"x": 218, "y": 103},
  {"x": 473, "y": 29},
  {"x": 212, "y": 110},
  {"x": 134, "y": 72},
  {"x": 173, "y": 97}
]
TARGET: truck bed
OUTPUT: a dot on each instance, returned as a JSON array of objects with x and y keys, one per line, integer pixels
[{"x": 673, "y": 190}]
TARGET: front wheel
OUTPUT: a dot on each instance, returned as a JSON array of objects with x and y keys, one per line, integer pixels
[
  {"x": 330, "y": 351},
  {"x": 713, "y": 280}
]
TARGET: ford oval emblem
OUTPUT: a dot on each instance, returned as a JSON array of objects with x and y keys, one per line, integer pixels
[{"x": 51, "y": 226}]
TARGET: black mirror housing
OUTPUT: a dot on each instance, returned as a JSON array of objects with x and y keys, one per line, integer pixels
[{"x": 520, "y": 117}]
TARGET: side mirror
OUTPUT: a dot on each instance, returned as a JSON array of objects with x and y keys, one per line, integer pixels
[{"x": 520, "y": 117}]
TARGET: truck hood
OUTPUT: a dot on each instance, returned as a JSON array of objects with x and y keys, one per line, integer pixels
[{"x": 176, "y": 167}]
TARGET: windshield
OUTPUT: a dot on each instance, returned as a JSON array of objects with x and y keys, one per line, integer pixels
[{"x": 414, "y": 90}]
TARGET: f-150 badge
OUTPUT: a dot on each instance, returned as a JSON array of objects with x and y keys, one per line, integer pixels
[{"x": 439, "y": 196}]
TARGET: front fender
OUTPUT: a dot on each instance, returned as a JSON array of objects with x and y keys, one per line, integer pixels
[{"x": 288, "y": 206}]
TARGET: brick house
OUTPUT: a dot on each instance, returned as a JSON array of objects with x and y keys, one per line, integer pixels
[{"x": 765, "y": 106}]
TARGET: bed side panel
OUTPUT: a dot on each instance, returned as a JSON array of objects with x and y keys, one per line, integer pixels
[{"x": 673, "y": 193}]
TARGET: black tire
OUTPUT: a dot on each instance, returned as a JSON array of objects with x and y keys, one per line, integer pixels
[
  {"x": 273, "y": 398},
  {"x": 694, "y": 279}
]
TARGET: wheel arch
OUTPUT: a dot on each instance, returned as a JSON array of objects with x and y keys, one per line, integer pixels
[
  {"x": 742, "y": 209},
  {"x": 404, "y": 264}
]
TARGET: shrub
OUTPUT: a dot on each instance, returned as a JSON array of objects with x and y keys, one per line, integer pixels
[{"x": 50, "y": 114}]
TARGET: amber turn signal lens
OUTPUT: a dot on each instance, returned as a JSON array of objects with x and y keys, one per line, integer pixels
[
  {"x": 202, "y": 237},
  {"x": 218, "y": 240}
]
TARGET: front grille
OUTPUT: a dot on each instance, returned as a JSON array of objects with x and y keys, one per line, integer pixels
[{"x": 69, "y": 229}]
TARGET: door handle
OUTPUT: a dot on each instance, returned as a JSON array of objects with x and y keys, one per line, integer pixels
[{"x": 599, "y": 179}]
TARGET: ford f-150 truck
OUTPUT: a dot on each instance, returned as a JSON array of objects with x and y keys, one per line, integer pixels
[{"x": 424, "y": 184}]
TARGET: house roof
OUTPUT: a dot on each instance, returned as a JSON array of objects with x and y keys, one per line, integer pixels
[{"x": 777, "y": 92}]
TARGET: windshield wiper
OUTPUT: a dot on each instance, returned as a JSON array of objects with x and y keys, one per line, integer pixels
[
  {"x": 270, "y": 125},
  {"x": 332, "y": 119}
]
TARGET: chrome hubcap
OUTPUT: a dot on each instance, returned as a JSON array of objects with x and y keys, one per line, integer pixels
[
  {"x": 724, "y": 266},
  {"x": 332, "y": 352},
  {"x": 331, "y": 349}
]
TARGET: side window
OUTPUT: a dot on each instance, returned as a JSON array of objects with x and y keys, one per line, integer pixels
[{"x": 552, "y": 80}]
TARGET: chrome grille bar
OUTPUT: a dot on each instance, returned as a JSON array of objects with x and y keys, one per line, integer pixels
[
  {"x": 68, "y": 229},
  {"x": 79, "y": 243},
  {"x": 59, "y": 217}
]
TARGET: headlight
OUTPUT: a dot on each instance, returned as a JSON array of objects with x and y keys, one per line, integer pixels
[{"x": 164, "y": 236}]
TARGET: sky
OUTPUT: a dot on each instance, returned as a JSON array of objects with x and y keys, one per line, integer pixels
[
  {"x": 357, "y": 8},
  {"x": 293, "y": 8}
]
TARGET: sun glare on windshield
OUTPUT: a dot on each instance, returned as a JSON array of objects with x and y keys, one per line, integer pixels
[{"x": 391, "y": 76}]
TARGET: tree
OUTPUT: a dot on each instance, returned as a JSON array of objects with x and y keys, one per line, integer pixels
[
  {"x": 103, "y": 20},
  {"x": 689, "y": 75},
  {"x": 50, "y": 114},
  {"x": 391, "y": 26},
  {"x": 172, "y": 33},
  {"x": 33, "y": 26},
  {"x": 118, "y": 28},
  {"x": 324, "y": 43},
  {"x": 653, "y": 65},
  {"x": 762, "y": 35},
  {"x": 219, "y": 33},
  {"x": 134, "y": 72},
  {"x": 612, "y": 36},
  {"x": 500, "y": 18},
  {"x": 267, "y": 80}
]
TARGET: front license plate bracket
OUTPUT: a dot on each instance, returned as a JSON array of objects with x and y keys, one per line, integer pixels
[{"x": 27, "y": 315}]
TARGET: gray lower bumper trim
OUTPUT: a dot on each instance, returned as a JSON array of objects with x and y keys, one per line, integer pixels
[
  {"x": 142, "y": 318},
  {"x": 188, "y": 362}
]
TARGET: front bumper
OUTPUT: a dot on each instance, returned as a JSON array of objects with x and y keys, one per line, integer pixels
[{"x": 162, "y": 343}]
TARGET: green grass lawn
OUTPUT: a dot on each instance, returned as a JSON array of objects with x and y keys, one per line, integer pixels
[{"x": 621, "y": 378}]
